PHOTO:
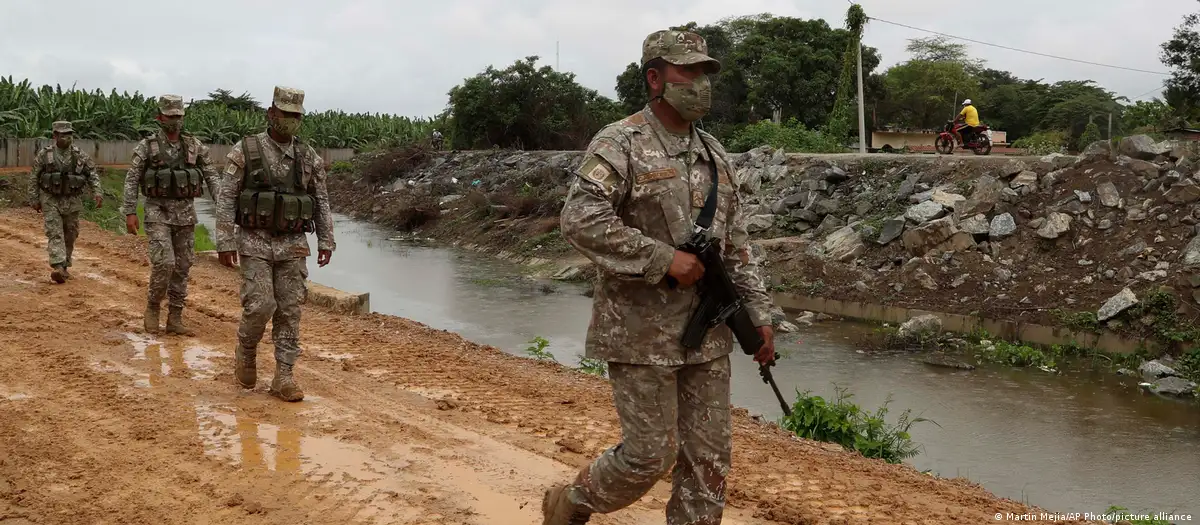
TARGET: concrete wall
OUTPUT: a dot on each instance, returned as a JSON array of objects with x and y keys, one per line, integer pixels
[
  {"x": 963, "y": 324},
  {"x": 18, "y": 153}
]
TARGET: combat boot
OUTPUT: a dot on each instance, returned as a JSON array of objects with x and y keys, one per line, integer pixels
[
  {"x": 244, "y": 370},
  {"x": 175, "y": 322},
  {"x": 558, "y": 509},
  {"x": 150, "y": 318},
  {"x": 66, "y": 273},
  {"x": 59, "y": 274},
  {"x": 284, "y": 385}
]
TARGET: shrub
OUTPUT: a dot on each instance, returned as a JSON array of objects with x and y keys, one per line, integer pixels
[
  {"x": 791, "y": 136},
  {"x": 846, "y": 424},
  {"x": 1042, "y": 143}
]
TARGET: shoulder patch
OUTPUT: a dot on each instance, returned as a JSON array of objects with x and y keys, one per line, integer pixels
[{"x": 599, "y": 172}]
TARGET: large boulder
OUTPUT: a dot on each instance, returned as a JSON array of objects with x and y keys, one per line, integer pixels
[
  {"x": 924, "y": 212},
  {"x": 844, "y": 245},
  {"x": 1056, "y": 224},
  {"x": 1138, "y": 147},
  {"x": 1185, "y": 191},
  {"x": 987, "y": 193},
  {"x": 1095, "y": 152},
  {"x": 922, "y": 325},
  {"x": 918, "y": 241}
]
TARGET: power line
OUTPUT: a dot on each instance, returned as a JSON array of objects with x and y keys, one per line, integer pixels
[
  {"x": 1017, "y": 49},
  {"x": 1147, "y": 93}
]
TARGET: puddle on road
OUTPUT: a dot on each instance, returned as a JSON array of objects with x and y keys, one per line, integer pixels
[
  {"x": 165, "y": 359},
  {"x": 350, "y": 471},
  {"x": 97, "y": 277},
  {"x": 140, "y": 379},
  {"x": 12, "y": 396},
  {"x": 334, "y": 357}
]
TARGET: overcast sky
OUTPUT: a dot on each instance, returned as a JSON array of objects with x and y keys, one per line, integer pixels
[{"x": 403, "y": 56}]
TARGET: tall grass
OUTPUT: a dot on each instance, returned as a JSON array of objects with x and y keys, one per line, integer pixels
[
  {"x": 845, "y": 423},
  {"x": 28, "y": 112}
]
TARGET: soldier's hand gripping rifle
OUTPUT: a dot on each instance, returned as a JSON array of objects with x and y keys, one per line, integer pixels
[{"x": 720, "y": 301}]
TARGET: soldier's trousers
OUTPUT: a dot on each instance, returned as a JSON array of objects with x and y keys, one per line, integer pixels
[
  {"x": 172, "y": 252},
  {"x": 273, "y": 291},
  {"x": 62, "y": 228},
  {"x": 671, "y": 416}
]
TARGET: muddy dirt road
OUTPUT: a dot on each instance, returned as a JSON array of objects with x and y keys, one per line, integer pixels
[{"x": 402, "y": 424}]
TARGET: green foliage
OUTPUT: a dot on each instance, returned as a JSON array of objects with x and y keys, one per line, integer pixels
[
  {"x": 848, "y": 425},
  {"x": 791, "y": 136},
  {"x": 596, "y": 367},
  {"x": 27, "y": 112},
  {"x": 1123, "y": 515},
  {"x": 527, "y": 107},
  {"x": 925, "y": 91},
  {"x": 1079, "y": 321},
  {"x": 1090, "y": 134},
  {"x": 1042, "y": 143},
  {"x": 341, "y": 166},
  {"x": 1160, "y": 309},
  {"x": 768, "y": 62},
  {"x": 1016, "y": 355},
  {"x": 1181, "y": 54},
  {"x": 537, "y": 349}
]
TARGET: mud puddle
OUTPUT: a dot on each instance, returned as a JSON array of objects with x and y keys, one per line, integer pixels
[{"x": 384, "y": 485}]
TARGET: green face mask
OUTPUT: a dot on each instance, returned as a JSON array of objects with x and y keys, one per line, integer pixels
[
  {"x": 63, "y": 142},
  {"x": 692, "y": 100},
  {"x": 286, "y": 126},
  {"x": 171, "y": 126}
]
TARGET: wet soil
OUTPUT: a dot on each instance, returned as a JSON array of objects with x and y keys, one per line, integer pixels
[{"x": 402, "y": 423}]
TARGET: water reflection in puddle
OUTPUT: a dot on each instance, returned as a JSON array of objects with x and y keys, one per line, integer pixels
[
  {"x": 351, "y": 471},
  {"x": 9, "y": 395},
  {"x": 165, "y": 359}
]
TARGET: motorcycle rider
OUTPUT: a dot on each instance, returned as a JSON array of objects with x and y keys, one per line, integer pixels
[{"x": 969, "y": 116}]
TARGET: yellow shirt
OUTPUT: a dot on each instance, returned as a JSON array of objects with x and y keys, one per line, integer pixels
[{"x": 971, "y": 116}]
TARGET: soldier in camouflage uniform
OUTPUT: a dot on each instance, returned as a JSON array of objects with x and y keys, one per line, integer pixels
[
  {"x": 274, "y": 191},
  {"x": 635, "y": 197},
  {"x": 60, "y": 172},
  {"x": 168, "y": 169}
]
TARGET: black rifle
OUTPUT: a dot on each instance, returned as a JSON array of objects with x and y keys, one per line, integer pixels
[{"x": 720, "y": 301}]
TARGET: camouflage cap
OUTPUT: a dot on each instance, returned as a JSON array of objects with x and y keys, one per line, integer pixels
[
  {"x": 289, "y": 99},
  {"x": 170, "y": 105},
  {"x": 678, "y": 47},
  {"x": 63, "y": 126}
]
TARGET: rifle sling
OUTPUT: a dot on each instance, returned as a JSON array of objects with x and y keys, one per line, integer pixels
[{"x": 704, "y": 221}]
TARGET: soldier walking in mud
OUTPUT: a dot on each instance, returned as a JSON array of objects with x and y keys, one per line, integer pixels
[
  {"x": 274, "y": 191},
  {"x": 169, "y": 169},
  {"x": 60, "y": 172},
  {"x": 638, "y": 194}
]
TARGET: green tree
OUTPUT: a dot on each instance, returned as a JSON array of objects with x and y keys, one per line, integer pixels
[
  {"x": 1147, "y": 114},
  {"x": 527, "y": 107},
  {"x": 767, "y": 62},
  {"x": 1091, "y": 133},
  {"x": 926, "y": 90},
  {"x": 1182, "y": 55}
]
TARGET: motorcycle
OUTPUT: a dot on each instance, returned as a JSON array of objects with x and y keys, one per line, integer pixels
[{"x": 981, "y": 142}]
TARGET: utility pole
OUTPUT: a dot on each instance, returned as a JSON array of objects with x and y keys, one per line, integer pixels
[
  {"x": 862, "y": 114},
  {"x": 1110, "y": 126},
  {"x": 556, "y": 56}
]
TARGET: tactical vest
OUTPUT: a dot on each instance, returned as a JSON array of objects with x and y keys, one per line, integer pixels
[
  {"x": 277, "y": 204},
  {"x": 61, "y": 182},
  {"x": 177, "y": 179}
]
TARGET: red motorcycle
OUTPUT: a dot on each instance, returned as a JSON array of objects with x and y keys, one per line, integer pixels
[{"x": 980, "y": 143}]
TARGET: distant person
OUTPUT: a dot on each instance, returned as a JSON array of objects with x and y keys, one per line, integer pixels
[
  {"x": 628, "y": 207},
  {"x": 437, "y": 139},
  {"x": 969, "y": 116},
  {"x": 274, "y": 190},
  {"x": 60, "y": 172},
  {"x": 170, "y": 169}
]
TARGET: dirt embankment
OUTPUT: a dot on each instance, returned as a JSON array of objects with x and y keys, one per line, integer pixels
[
  {"x": 1046, "y": 240},
  {"x": 402, "y": 423}
]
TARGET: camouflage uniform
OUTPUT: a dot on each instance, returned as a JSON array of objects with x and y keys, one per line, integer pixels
[
  {"x": 169, "y": 223},
  {"x": 636, "y": 196},
  {"x": 60, "y": 213},
  {"x": 273, "y": 265}
]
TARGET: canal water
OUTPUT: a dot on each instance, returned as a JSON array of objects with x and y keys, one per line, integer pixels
[{"x": 1077, "y": 442}]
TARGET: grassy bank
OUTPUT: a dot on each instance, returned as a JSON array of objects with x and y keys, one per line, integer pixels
[{"x": 14, "y": 190}]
